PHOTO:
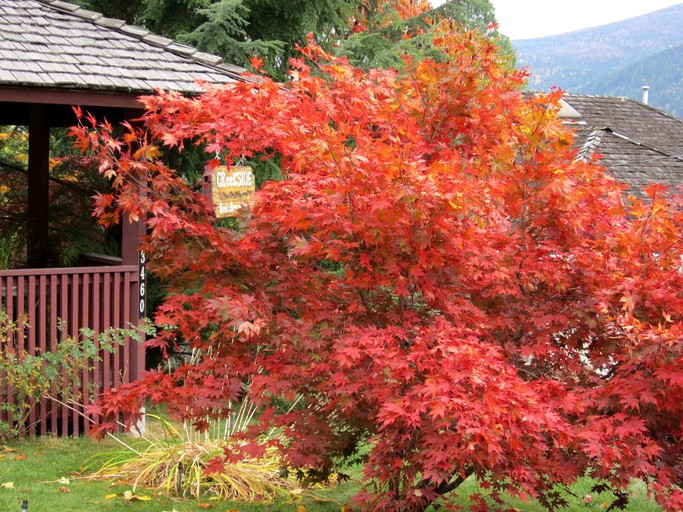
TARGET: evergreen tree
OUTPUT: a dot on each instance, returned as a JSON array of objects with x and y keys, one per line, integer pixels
[
  {"x": 235, "y": 29},
  {"x": 372, "y": 33}
]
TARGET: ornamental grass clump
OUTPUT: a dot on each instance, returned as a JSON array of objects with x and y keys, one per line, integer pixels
[{"x": 176, "y": 463}]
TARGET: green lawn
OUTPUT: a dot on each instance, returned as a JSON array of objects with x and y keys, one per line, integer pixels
[
  {"x": 638, "y": 501},
  {"x": 33, "y": 468}
]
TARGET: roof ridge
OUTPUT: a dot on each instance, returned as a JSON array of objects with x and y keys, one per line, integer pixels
[
  {"x": 145, "y": 35},
  {"x": 625, "y": 98},
  {"x": 642, "y": 144}
]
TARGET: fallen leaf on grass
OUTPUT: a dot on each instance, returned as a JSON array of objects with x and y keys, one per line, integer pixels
[
  {"x": 64, "y": 481},
  {"x": 21, "y": 457},
  {"x": 205, "y": 505},
  {"x": 128, "y": 496},
  {"x": 65, "y": 489},
  {"x": 300, "y": 508},
  {"x": 8, "y": 485},
  {"x": 8, "y": 449}
]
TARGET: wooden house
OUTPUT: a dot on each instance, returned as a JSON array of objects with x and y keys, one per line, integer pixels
[
  {"x": 639, "y": 144},
  {"x": 54, "y": 55}
]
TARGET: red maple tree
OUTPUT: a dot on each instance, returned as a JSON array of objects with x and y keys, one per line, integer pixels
[{"x": 436, "y": 277}]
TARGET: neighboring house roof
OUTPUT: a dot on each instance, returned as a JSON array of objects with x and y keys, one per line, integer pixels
[
  {"x": 58, "y": 45},
  {"x": 639, "y": 144}
]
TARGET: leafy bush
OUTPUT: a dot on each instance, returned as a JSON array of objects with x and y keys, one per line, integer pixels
[{"x": 28, "y": 377}]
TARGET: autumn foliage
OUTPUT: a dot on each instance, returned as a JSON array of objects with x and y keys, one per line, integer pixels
[{"x": 436, "y": 276}]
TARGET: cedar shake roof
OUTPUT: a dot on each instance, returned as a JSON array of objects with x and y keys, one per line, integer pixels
[
  {"x": 57, "y": 45},
  {"x": 639, "y": 144}
]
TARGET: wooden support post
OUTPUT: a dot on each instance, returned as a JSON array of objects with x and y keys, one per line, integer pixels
[
  {"x": 38, "y": 186},
  {"x": 132, "y": 232}
]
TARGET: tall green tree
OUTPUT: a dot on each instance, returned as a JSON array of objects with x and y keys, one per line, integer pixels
[
  {"x": 235, "y": 29},
  {"x": 271, "y": 29}
]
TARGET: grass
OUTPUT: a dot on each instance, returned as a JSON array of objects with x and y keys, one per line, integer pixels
[
  {"x": 40, "y": 468},
  {"x": 599, "y": 502}
]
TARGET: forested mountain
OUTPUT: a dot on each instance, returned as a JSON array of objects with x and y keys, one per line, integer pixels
[
  {"x": 614, "y": 59},
  {"x": 662, "y": 72}
]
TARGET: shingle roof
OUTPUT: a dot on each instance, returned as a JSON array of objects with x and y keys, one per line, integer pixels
[
  {"x": 58, "y": 45},
  {"x": 640, "y": 144}
]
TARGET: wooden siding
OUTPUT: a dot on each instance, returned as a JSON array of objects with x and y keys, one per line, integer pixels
[{"x": 92, "y": 297}]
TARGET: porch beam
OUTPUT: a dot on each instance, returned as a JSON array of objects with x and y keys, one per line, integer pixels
[{"x": 66, "y": 97}]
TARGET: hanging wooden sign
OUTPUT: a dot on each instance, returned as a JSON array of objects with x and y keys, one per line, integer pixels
[{"x": 230, "y": 188}]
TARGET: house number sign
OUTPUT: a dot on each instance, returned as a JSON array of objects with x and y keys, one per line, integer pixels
[{"x": 142, "y": 308}]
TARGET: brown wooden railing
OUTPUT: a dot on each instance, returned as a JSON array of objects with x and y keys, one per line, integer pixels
[{"x": 57, "y": 303}]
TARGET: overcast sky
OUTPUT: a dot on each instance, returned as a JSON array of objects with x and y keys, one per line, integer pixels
[{"x": 524, "y": 19}]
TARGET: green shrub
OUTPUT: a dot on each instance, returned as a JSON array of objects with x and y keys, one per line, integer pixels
[{"x": 27, "y": 377}]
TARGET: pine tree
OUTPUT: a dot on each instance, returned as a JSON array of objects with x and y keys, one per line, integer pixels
[{"x": 371, "y": 33}]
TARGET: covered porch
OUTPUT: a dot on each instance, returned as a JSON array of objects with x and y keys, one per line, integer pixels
[
  {"x": 50, "y": 302},
  {"x": 56, "y": 55}
]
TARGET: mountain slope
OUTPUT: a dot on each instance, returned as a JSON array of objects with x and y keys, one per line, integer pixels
[
  {"x": 663, "y": 72},
  {"x": 611, "y": 59}
]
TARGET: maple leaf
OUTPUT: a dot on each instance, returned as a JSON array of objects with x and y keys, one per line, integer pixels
[
  {"x": 256, "y": 63},
  {"x": 169, "y": 139}
]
